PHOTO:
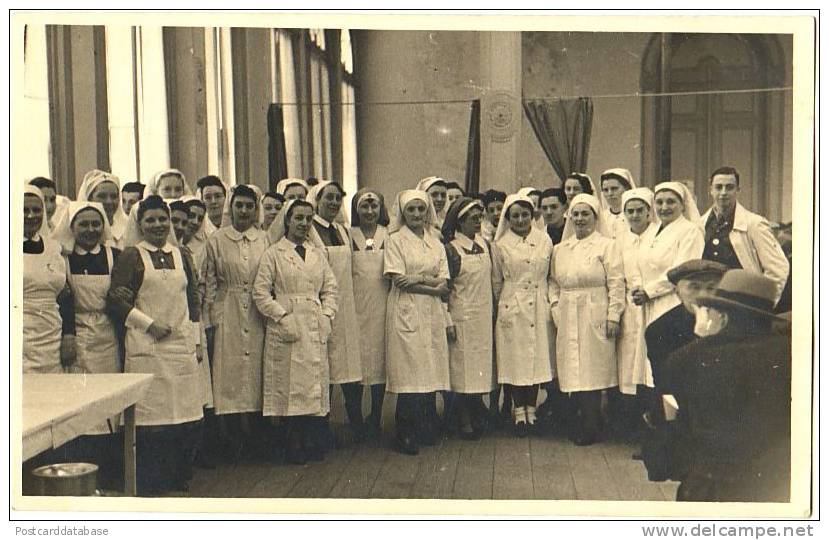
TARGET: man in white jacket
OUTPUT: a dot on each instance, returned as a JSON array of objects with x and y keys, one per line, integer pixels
[{"x": 738, "y": 238}]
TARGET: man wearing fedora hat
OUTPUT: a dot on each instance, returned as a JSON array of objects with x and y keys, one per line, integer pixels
[{"x": 733, "y": 387}]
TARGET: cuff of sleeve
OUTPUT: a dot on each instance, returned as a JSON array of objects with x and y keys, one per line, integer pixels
[
  {"x": 328, "y": 313},
  {"x": 138, "y": 320},
  {"x": 615, "y": 317}
]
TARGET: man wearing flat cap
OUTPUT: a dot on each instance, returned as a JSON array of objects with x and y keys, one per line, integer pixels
[{"x": 733, "y": 387}]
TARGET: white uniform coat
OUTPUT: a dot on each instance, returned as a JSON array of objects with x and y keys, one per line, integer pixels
[
  {"x": 471, "y": 370},
  {"x": 615, "y": 225},
  {"x": 44, "y": 277},
  {"x": 230, "y": 269},
  {"x": 298, "y": 298},
  {"x": 175, "y": 394},
  {"x": 631, "y": 351},
  {"x": 417, "y": 353},
  {"x": 756, "y": 247},
  {"x": 344, "y": 353},
  {"x": 588, "y": 291},
  {"x": 524, "y": 334},
  {"x": 679, "y": 242},
  {"x": 371, "y": 292}
]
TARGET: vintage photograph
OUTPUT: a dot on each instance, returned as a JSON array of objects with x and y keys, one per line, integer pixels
[{"x": 269, "y": 256}]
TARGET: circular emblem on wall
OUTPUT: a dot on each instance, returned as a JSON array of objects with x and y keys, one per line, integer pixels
[{"x": 500, "y": 115}]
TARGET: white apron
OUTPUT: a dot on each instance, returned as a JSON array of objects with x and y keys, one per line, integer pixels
[
  {"x": 176, "y": 394},
  {"x": 240, "y": 332},
  {"x": 417, "y": 353},
  {"x": 344, "y": 354},
  {"x": 371, "y": 291},
  {"x": 471, "y": 369},
  {"x": 524, "y": 334},
  {"x": 44, "y": 276},
  {"x": 198, "y": 249},
  {"x": 590, "y": 290}
]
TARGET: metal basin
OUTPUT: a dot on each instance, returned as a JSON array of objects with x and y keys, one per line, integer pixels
[{"x": 65, "y": 479}]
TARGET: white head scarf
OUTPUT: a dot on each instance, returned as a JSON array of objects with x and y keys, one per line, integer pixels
[
  {"x": 428, "y": 182},
  {"x": 133, "y": 236},
  {"x": 152, "y": 185},
  {"x": 313, "y": 198},
  {"x": 62, "y": 203},
  {"x": 503, "y": 223},
  {"x": 691, "y": 212},
  {"x": 283, "y": 185},
  {"x": 227, "y": 220},
  {"x": 43, "y": 232},
  {"x": 63, "y": 230},
  {"x": 525, "y": 191},
  {"x": 593, "y": 202},
  {"x": 92, "y": 180},
  {"x": 277, "y": 229},
  {"x": 624, "y": 173},
  {"x": 398, "y": 221},
  {"x": 641, "y": 194}
]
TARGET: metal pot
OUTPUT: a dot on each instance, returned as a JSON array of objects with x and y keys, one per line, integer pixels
[{"x": 65, "y": 479}]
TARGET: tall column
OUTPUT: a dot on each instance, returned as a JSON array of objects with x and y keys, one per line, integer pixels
[
  {"x": 154, "y": 142},
  {"x": 121, "y": 102},
  {"x": 35, "y": 161},
  {"x": 501, "y": 113}
]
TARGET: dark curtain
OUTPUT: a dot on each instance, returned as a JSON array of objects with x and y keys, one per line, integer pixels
[
  {"x": 562, "y": 127},
  {"x": 277, "y": 158},
  {"x": 473, "y": 150}
]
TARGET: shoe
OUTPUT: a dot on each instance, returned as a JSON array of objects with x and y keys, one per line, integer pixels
[
  {"x": 359, "y": 432},
  {"x": 427, "y": 436},
  {"x": 584, "y": 440},
  {"x": 521, "y": 429},
  {"x": 296, "y": 456},
  {"x": 407, "y": 446}
]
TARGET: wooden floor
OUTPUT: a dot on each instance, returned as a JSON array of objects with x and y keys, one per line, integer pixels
[{"x": 499, "y": 466}]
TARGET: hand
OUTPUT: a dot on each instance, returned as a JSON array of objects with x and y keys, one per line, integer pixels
[
  {"x": 554, "y": 314},
  {"x": 451, "y": 334},
  {"x": 612, "y": 329},
  {"x": 199, "y": 353},
  {"x": 124, "y": 294},
  {"x": 639, "y": 297},
  {"x": 327, "y": 327},
  {"x": 68, "y": 350},
  {"x": 159, "y": 330},
  {"x": 431, "y": 281},
  {"x": 442, "y": 288}
]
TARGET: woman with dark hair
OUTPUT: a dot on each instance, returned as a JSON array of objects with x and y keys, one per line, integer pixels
[
  {"x": 295, "y": 290},
  {"x": 417, "y": 355},
  {"x": 271, "y": 205},
  {"x": 471, "y": 370},
  {"x": 577, "y": 183},
  {"x": 436, "y": 188},
  {"x": 523, "y": 330},
  {"x": 371, "y": 289},
  {"x": 153, "y": 292},
  {"x": 231, "y": 263},
  {"x": 454, "y": 191},
  {"x": 105, "y": 188},
  {"x": 587, "y": 299},
  {"x": 213, "y": 192},
  {"x": 493, "y": 204}
]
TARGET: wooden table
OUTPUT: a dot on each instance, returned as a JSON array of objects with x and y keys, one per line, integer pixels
[{"x": 58, "y": 408}]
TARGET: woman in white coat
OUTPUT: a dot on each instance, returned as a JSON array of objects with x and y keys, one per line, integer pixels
[
  {"x": 417, "y": 355},
  {"x": 295, "y": 290},
  {"x": 105, "y": 188},
  {"x": 679, "y": 238},
  {"x": 471, "y": 369},
  {"x": 631, "y": 351},
  {"x": 614, "y": 183},
  {"x": 436, "y": 188},
  {"x": 369, "y": 220},
  {"x": 587, "y": 300},
  {"x": 524, "y": 337},
  {"x": 47, "y": 301},
  {"x": 231, "y": 263},
  {"x": 153, "y": 292}
]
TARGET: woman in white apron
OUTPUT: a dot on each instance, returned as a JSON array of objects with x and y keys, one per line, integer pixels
[
  {"x": 105, "y": 188},
  {"x": 154, "y": 292},
  {"x": 471, "y": 369},
  {"x": 371, "y": 290},
  {"x": 295, "y": 290},
  {"x": 83, "y": 231},
  {"x": 436, "y": 188},
  {"x": 344, "y": 353},
  {"x": 524, "y": 336},
  {"x": 47, "y": 300},
  {"x": 587, "y": 300},
  {"x": 417, "y": 353},
  {"x": 233, "y": 254},
  {"x": 679, "y": 238}
]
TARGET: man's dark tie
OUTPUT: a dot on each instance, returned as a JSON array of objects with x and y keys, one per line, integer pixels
[
  {"x": 32, "y": 246},
  {"x": 300, "y": 251},
  {"x": 334, "y": 235}
]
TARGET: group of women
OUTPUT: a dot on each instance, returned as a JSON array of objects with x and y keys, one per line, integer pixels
[{"x": 250, "y": 306}]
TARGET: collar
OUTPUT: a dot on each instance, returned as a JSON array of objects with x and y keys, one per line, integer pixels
[
  {"x": 81, "y": 251},
  {"x": 466, "y": 243},
  {"x": 429, "y": 236},
  {"x": 322, "y": 221},
  {"x": 166, "y": 248},
  {"x": 286, "y": 245},
  {"x": 589, "y": 239},
  {"x": 512, "y": 238},
  {"x": 740, "y": 221},
  {"x": 35, "y": 238},
  {"x": 250, "y": 234}
]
